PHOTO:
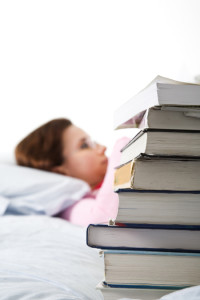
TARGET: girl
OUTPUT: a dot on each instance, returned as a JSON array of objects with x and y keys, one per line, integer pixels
[{"x": 60, "y": 146}]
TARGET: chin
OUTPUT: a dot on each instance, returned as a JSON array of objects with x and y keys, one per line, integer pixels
[{"x": 97, "y": 183}]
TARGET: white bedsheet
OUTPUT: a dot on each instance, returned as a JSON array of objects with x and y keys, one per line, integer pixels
[{"x": 46, "y": 258}]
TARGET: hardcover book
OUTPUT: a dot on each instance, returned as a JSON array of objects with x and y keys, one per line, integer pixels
[
  {"x": 147, "y": 268},
  {"x": 171, "y": 117},
  {"x": 161, "y": 91},
  {"x": 151, "y": 172},
  {"x": 167, "y": 117},
  {"x": 144, "y": 237},
  {"x": 158, "y": 207},
  {"x": 162, "y": 142},
  {"x": 133, "y": 292}
]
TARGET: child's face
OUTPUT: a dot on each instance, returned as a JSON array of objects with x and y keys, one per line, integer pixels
[{"x": 83, "y": 158}]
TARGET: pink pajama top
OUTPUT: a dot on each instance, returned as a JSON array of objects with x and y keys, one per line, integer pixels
[{"x": 100, "y": 205}]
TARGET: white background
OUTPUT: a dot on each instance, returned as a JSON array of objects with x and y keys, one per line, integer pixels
[{"x": 82, "y": 59}]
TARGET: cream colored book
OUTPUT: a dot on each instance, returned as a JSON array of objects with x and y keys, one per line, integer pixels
[{"x": 151, "y": 172}]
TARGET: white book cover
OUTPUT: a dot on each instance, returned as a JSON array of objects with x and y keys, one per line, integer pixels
[{"x": 160, "y": 91}]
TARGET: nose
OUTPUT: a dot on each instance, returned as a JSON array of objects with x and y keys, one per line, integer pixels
[{"x": 101, "y": 149}]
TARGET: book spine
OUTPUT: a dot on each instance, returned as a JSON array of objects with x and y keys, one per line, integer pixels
[
  {"x": 156, "y": 191},
  {"x": 136, "y": 249},
  {"x": 130, "y": 286},
  {"x": 158, "y": 226},
  {"x": 161, "y": 253}
]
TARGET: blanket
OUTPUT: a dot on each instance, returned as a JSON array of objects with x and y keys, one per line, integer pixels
[{"x": 46, "y": 258}]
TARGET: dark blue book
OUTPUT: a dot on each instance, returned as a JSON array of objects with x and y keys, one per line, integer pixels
[{"x": 152, "y": 237}]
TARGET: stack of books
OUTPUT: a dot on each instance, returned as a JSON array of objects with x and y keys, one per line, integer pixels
[{"x": 154, "y": 246}]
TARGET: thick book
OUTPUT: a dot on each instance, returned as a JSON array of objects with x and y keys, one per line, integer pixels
[
  {"x": 158, "y": 207},
  {"x": 144, "y": 237},
  {"x": 151, "y": 172},
  {"x": 144, "y": 268},
  {"x": 167, "y": 117},
  {"x": 133, "y": 292},
  {"x": 170, "y": 117},
  {"x": 162, "y": 142},
  {"x": 161, "y": 91}
]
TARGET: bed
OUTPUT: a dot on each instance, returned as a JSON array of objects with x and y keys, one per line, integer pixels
[
  {"x": 46, "y": 258},
  {"x": 42, "y": 256}
]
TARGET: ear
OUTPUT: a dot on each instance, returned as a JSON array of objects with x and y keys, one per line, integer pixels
[{"x": 60, "y": 170}]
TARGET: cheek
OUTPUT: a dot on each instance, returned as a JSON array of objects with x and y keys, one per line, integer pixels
[
  {"x": 84, "y": 165},
  {"x": 88, "y": 164}
]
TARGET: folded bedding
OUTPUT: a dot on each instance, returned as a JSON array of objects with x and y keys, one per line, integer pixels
[
  {"x": 46, "y": 258},
  {"x": 27, "y": 191}
]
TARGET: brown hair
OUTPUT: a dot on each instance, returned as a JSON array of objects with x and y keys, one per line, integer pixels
[{"x": 42, "y": 148}]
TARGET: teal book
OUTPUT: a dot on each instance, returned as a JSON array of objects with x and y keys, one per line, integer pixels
[
  {"x": 151, "y": 269},
  {"x": 133, "y": 292}
]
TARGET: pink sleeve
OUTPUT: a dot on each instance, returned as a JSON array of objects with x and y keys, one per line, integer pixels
[{"x": 105, "y": 205}]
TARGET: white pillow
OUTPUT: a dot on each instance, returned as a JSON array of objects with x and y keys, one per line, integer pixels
[{"x": 27, "y": 191}]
